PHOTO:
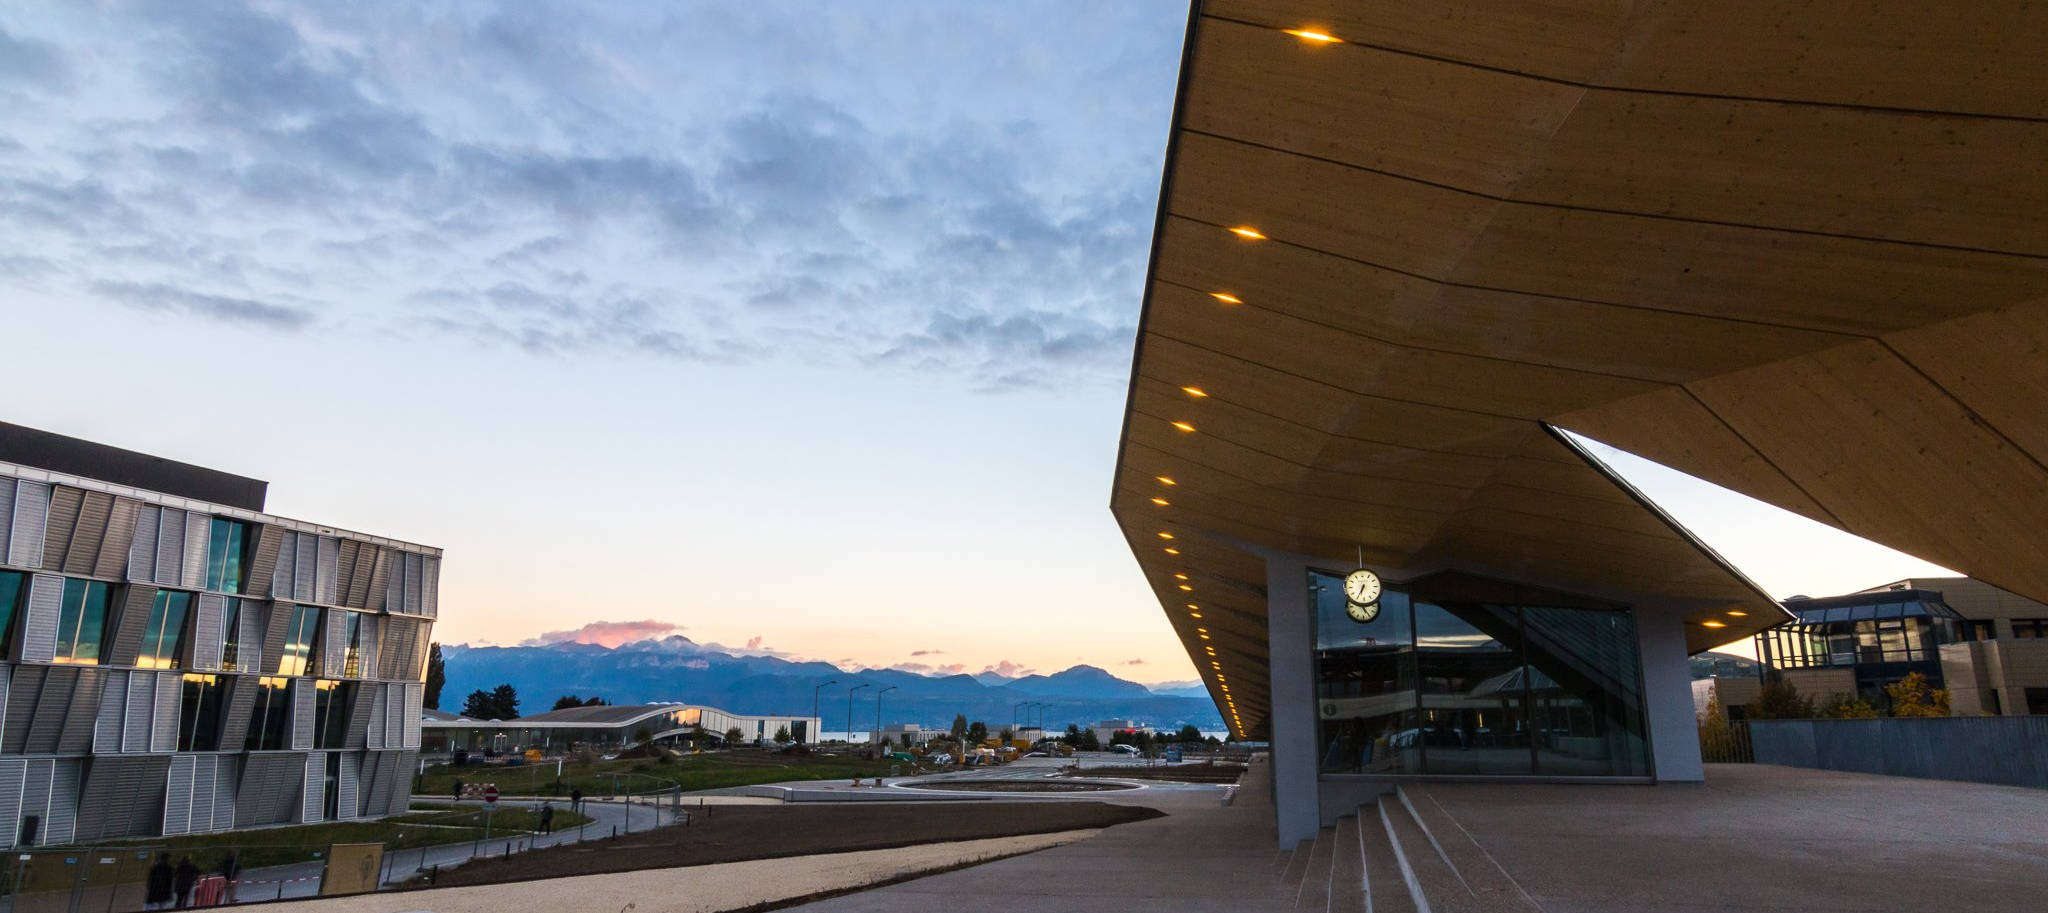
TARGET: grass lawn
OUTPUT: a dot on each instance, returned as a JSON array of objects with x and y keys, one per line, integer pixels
[
  {"x": 714, "y": 770},
  {"x": 422, "y": 827},
  {"x": 510, "y": 817}
]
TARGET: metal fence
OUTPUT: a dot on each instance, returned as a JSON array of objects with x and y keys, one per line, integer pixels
[{"x": 2008, "y": 750}]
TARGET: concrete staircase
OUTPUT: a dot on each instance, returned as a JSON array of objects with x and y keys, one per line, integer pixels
[{"x": 1401, "y": 854}]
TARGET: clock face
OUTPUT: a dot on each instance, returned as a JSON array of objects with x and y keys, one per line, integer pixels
[
  {"x": 1362, "y": 613},
  {"x": 1362, "y": 587}
]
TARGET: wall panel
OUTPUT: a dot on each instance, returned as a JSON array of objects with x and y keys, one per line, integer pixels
[
  {"x": 62, "y": 520},
  {"x": 107, "y": 727},
  {"x": 178, "y": 795},
  {"x": 130, "y": 621},
  {"x": 52, "y": 705},
  {"x": 139, "y": 701},
  {"x": 347, "y": 800},
  {"x": 164, "y": 730},
  {"x": 115, "y": 550},
  {"x": 270, "y": 787},
  {"x": 149, "y": 520},
  {"x": 198, "y": 531},
  {"x": 237, "y": 705},
  {"x": 39, "y": 623},
  {"x": 23, "y": 687},
  {"x": 263, "y": 561},
  {"x": 227, "y": 775},
  {"x": 206, "y": 633},
  {"x": 326, "y": 581},
  {"x": 31, "y": 515},
  {"x": 79, "y": 717},
  {"x": 333, "y": 645},
  {"x": 287, "y": 561},
  {"x": 302, "y": 713},
  {"x": 12, "y": 772},
  {"x": 170, "y": 548},
  {"x": 380, "y": 581},
  {"x": 313, "y": 794},
  {"x": 430, "y": 590},
  {"x": 62, "y": 825},
  {"x": 8, "y": 485},
  {"x": 305, "y": 563}
]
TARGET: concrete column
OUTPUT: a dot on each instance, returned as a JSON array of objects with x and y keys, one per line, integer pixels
[
  {"x": 1290, "y": 631},
  {"x": 1667, "y": 696}
]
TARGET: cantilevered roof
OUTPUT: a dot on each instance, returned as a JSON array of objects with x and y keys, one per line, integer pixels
[{"x": 1796, "y": 250}]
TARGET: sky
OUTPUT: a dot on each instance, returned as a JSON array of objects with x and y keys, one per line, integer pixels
[{"x": 793, "y": 327}]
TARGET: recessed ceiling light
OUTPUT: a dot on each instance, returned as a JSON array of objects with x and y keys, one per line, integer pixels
[
  {"x": 1226, "y": 297},
  {"x": 1195, "y": 392},
  {"x": 1710, "y": 623},
  {"x": 1201, "y": 630},
  {"x": 1203, "y": 636},
  {"x": 1180, "y": 576},
  {"x": 1316, "y": 36},
  {"x": 1186, "y": 589},
  {"x": 1162, "y": 502},
  {"x": 1738, "y": 613},
  {"x": 1248, "y": 233},
  {"x": 1173, "y": 551},
  {"x": 1165, "y": 535},
  {"x": 1163, "y": 480},
  {"x": 1184, "y": 426}
]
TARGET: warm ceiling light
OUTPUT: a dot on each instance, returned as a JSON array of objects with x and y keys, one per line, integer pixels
[
  {"x": 1180, "y": 576},
  {"x": 1165, "y": 535},
  {"x": 1215, "y": 665},
  {"x": 1226, "y": 297},
  {"x": 1202, "y": 630},
  {"x": 1314, "y": 35},
  {"x": 1738, "y": 613},
  {"x": 1166, "y": 481},
  {"x": 1162, "y": 502},
  {"x": 1184, "y": 426},
  {"x": 1203, "y": 636},
  {"x": 1248, "y": 233},
  {"x": 1710, "y": 623},
  {"x": 1194, "y": 614},
  {"x": 1186, "y": 589},
  {"x": 1195, "y": 392},
  {"x": 1173, "y": 551}
]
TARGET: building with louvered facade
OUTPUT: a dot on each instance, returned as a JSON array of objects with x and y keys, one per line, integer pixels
[{"x": 177, "y": 661}]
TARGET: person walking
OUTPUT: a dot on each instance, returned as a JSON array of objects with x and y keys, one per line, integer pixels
[
  {"x": 547, "y": 817},
  {"x": 458, "y": 790},
  {"x": 186, "y": 876},
  {"x": 576, "y": 799},
  {"x": 156, "y": 894}
]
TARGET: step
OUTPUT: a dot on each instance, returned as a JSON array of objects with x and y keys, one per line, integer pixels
[
  {"x": 1347, "y": 869},
  {"x": 1480, "y": 872},
  {"x": 1314, "y": 893},
  {"x": 1297, "y": 865},
  {"x": 1386, "y": 891},
  {"x": 1280, "y": 860},
  {"x": 1432, "y": 884}
]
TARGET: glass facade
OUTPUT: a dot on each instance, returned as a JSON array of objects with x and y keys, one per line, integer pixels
[
  {"x": 231, "y": 636},
  {"x": 225, "y": 556},
  {"x": 163, "y": 639},
  {"x": 269, "y": 715},
  {"x": 13, "y": 589},
  {"x": 1461, "y": 675},
  {"x": 331, "y": 703},
  {"x": 199, "y": 714},
  {"x": 1879, "y": 637},
  {"x": 301, "y": 642},
  {"x": 81, "y": 621}
]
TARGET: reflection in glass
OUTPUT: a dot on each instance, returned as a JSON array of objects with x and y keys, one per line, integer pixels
[{"x": 1479, "y": 679}]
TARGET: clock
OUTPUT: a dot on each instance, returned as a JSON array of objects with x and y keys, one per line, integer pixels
[
  {"x": 1362, "y": 587},
  {"x": 1362, "y": 613}
]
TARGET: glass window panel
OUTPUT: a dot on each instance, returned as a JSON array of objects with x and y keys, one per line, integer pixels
[
  {"x": 331, "y": 702},
  {"x": 231, "y": 635},
  {"x": 13, "y": 588},
  {"x": 163, "y": 638},
  {"x": 199, "y": 714},
  {"x": 1365, "y": 683},
  {"x": 302, "y": 641},
  {"x": 270, "y": 714},
  {"x": 224, "y": 558},
  {"x": 1585, "y": 693},
  {"x": 1474, "y": 689},
  {"x": 81, "y": 621}
]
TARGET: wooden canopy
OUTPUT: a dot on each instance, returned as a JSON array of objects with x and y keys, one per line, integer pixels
[{"x": 1797, "y": 249}]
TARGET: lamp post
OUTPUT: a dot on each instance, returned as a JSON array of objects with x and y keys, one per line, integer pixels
[
  {"x": 818, "y": 737},
  {"x": 1027, "y": 705},
  {"x": 849, "y": 709},
  {"x": 878, "y": 713}
]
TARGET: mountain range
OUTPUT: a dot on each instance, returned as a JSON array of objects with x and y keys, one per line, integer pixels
[{"x": 675, "y": 668}]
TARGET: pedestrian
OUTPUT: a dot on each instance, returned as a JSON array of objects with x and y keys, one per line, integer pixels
[
  {"x": 458, "y": 790},
  {"x": 157, "y": 890},
  {"x": 547, "y": 817},
  {"x": 186, "y": 876},
  {"x": 576, "y": 799},
  {"x": 230, "y": 869}
]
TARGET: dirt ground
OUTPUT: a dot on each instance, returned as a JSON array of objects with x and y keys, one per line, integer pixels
[
  {"x": 1186, "y": 773},
  {"x": 739, "y": 832}
]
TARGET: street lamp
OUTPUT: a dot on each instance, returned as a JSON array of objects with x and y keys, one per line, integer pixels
[
  {"x": 849, "y": 709},
  {"x": 878, "y": 712},
  {"x": 819, "y": 737}
]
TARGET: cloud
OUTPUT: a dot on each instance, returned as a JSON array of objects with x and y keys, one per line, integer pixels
[
  {"x": 1008, "y": 669},
  {"x": 1134, "y": 662},
  {"x": 926, "y": 652},
  {"x": 608, "y": 633},
  {"x": 711, "y": 185},
  {"x": 754, "y": 643},
  {"x": 160, "y": 297}
]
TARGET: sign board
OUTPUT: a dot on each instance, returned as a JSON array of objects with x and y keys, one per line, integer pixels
[
  {"x": 1173, "y": 754},
  {"x": 491, "y": 794},
  {"x": 352, "y": 868}
]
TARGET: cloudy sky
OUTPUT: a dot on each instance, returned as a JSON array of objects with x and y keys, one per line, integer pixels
[{"x": 794, "y": 327}]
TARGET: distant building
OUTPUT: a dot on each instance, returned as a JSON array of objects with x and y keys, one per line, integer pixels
[
  {"x": 606, "y": 727},
  {"x": 910, "y": 735},
  {"x": 1106, "y": 730},
  {"x": 177, "y": 661},
  {"x": 1988, "y": 647}
]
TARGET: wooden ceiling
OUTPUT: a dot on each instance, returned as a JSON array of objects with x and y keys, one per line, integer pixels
[{"x": 1797, "y": 249}]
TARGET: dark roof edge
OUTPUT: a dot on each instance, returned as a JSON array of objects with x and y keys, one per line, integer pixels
[{"x": 78, "y": 457}]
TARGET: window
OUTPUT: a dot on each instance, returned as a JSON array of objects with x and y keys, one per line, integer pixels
[
  {"x": 13, "y": 588},
  {"x": 163, "y": 640},
  {"x": 2030, "y": 628},
  {"x": 301, "y": 642},
  {"x": 269, "y": 715},
  {"x": 81, "y": 622},
  {"x": 331, "y": 703},
  {"x": 352, "y": 663},
  {"x": 199, "y": 714},
  {"x": 224, "y": 555},
  {"x": 1968, "y": 631},
  {"x": 231, "y": 636}
]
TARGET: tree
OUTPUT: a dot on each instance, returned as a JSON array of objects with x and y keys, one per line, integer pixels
[
  {"x": 1848, "y": 707},
  {"x": 1007, "y": 734},
  {"x": 1188, "y": 733},
  {"x": 782, "y": 735},
  {"x": 1073, "y": 736},
  {"x": 477, "y": 706},
  {"x": 1089, "y": 741},
  {"x": 733, "y": 736},
  {"x": 506, "y": 698},
  {"x": 959, "y": 727},
  {"x": 437, "y": 677},
  {"x": 1910, "y": 696},
  {"x": 500, "y": 703},
  {"x": 568, "y": 701},
  {"x": 977, "y": 733},
  {"x": 1779, "y": 700}
]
